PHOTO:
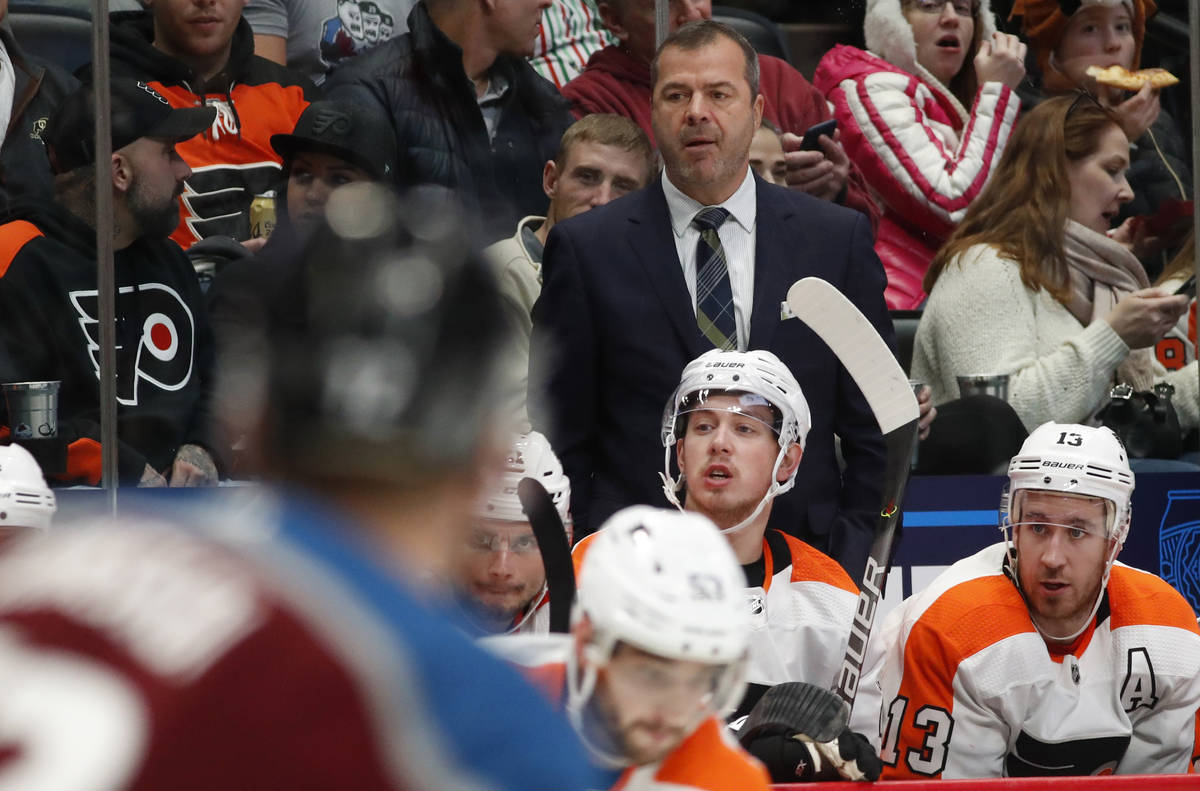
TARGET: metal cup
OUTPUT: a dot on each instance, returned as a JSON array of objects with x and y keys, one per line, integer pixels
[
  {"x": 983, "y": 384},
  {"x": 32, "y": 409}
]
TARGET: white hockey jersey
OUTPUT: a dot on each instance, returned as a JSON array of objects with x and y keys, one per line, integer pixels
[
  {"x": 970, "y": 689},
  {"x": 801, "y": 607}
]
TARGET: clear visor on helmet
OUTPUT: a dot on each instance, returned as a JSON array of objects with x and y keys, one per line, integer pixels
[
  {"x": 1039, "y": 513},
  {"x": 751, "y": 405},
  {"x": 636, "y": 688}
]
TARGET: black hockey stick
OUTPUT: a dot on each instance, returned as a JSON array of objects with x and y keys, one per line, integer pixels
[
  {"x": 869, "y": 361},
  {"x": 556, "y": 552}
]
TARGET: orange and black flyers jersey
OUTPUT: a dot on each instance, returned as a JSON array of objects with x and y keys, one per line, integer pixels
[
  {"x": 710, "y": 759},
  {"x": 971, "y": 689},
  {"x": 232, "y": 162}
]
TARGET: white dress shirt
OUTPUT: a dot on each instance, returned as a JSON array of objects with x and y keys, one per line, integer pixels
[
  {"x": 738, "y": 238},
  {"x": 8, "y": 87}
]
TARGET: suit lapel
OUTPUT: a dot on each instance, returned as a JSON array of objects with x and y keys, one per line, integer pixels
[
  {"x": 653, "y": 244},
  {"x": 775, "y": 249}
]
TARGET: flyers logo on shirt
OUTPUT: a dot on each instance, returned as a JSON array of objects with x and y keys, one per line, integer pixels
[
  {"x": 216, "y": 200},
  {"x": 163, "y": 355}
]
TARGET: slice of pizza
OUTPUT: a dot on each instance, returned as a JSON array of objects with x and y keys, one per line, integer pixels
[{"x": 1120, "y": 77}]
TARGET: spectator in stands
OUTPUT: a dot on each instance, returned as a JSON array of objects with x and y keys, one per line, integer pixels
[
  {"x": 204, "y": 55},
  {"x": 1178, "y": 347},
  {"x": 334, "y": 143},
  {"x": 903, "y": 110},
  {"x": 1105, "y": 33},
  {"x": 623, "y": 310},
  {"x": 30, "y": 90},
  {"x": 766, "y": 155},
  {"x": 289, "y": 642},
  {"x": 601, "y": 158},
  {"x": 314, "y": 36},
  {"x": 1029, "y": 284},
  {"x": 470, "y": 113},
  {"x": 29, "y": 505},
  {"x": 1040, "y": 655},
  {"x": 48, "y": 292},
  {"x": 570, "y": 34},
  {"x": 617, "y": 80},
  {"x": 498, "y": 569}
]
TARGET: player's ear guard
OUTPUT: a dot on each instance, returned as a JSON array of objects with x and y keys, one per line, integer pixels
[{"x": 799, "y": 732}]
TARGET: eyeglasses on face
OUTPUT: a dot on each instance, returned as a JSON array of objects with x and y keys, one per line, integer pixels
[{"x": 479, "y": 541}]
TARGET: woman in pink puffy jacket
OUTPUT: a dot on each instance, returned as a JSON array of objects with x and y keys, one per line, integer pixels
[{"x": 902, "y": 110}]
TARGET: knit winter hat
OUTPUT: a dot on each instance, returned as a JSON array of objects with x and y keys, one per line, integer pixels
[{"x": 1043, "y": 23}]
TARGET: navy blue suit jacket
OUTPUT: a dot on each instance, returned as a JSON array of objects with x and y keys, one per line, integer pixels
[{"x": 617, "y": 327}]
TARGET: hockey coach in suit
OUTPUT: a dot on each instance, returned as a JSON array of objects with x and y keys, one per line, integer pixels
[{"x": 703, "y": 257}]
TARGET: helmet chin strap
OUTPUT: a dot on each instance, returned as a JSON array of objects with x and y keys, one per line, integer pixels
[{"x": 672, "y": 487}]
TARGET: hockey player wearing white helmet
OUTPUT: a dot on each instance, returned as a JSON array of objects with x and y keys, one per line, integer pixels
[
  {"x": 656, "y": 654},
  {"x": 26, "y": 502},
  {"x": 737, "y": 424},
  {"x": 1041, "y": 655},
  {"x": 498, "y": 567}
]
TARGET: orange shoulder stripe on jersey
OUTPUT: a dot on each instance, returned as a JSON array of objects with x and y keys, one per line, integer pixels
[
  {"x": 707, "y": 762},
  {"x": 579, "y": 551},
  {"x": 811, "y": 564},
  {"x": 13, "y": 236},
  {"x": 963, "y": 621},
  {"x": 1138, "y": 598}
]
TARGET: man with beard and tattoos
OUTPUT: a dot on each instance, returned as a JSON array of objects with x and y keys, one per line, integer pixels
[{"x": 48, "y": 293}]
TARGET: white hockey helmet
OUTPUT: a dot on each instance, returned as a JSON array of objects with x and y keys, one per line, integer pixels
[
  {"x": 1069, "y": 458},
  {"x": 760, "y": 377},
  {"x": 25, "y": 499},
  {"x": 666, "y": 582},
  {"x": 530, "y": 456},
  {"x": 1073, "y": 459}
]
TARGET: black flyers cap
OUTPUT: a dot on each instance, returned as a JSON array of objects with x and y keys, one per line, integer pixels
[
  {"x": 357, "y": 133},
  {"x": 137, "y": 111}
]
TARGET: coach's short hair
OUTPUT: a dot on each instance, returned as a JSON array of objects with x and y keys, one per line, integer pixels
[{"x": 699, "y": 34}]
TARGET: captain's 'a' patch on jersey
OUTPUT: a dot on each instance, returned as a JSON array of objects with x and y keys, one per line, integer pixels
[{"x": 164, "y": 352}]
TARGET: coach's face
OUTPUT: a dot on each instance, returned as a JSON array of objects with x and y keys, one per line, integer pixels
[{"x": 704, "y": 117}]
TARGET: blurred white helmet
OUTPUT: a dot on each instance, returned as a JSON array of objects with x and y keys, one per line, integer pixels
[
  {"x": 25, "y": 499},
  {"x": 1069, "y": 458},
  {"x": 665, "y": 582},
  {"x": 530, "y": 456},
  {"x": 762, "y": 379}
]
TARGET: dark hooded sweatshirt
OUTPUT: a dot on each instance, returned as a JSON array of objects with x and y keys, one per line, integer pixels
[{"x": 50, "y": 330}]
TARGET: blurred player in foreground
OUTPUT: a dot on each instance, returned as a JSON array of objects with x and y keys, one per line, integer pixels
[
  {"x": 498, "y": 569},
  {"x": 655, "y": 656},
  {"x": 1041, "y": 655},
  {"x": 284, "y": 649}
]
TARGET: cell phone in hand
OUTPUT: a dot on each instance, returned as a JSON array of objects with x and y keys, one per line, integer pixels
[
  {"x": 1188, "y": 287},
  {"x": 812, "y": 137}
]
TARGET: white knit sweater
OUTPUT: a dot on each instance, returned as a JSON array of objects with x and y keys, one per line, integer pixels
[{"x": 981, "y": 318}]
